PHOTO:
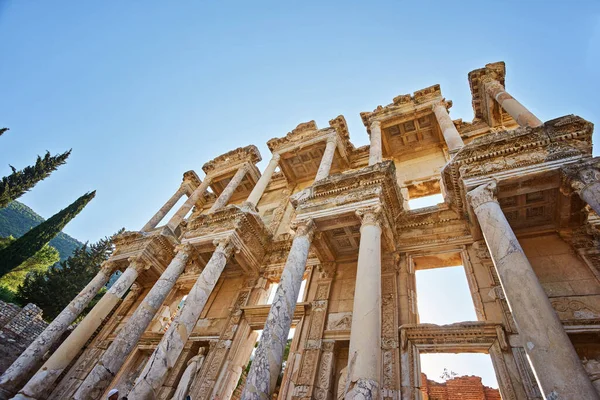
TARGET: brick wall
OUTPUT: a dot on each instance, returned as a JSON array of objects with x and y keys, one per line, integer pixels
[
  {"x": 18, "y": 328},
  {"x": 459, "y": 388}
]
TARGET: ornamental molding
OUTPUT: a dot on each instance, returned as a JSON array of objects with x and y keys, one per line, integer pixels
[{"x": 240, "y": 155}]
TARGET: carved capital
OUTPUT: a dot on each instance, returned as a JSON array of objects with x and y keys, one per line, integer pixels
[
  {"x": 327, "y": 270},
  {"x": 304, "y": 228},
  {"x": 108, "y": 267},
  {"x": 482, "y": 194},
  {"x": 332, "y": 139},
  {"x": 580, "y": 176},
  {"x": 225, "y": 246},
  {"x": 276, "y": 157},
  {"x": 138, "y": 264},
  {"x": 370, "y": 216},
  {"x": 184, "y": 249}
]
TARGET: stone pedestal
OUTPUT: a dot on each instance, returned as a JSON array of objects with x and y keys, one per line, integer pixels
[
  {"x": 327, "y": 159},
  {"x": 451, "y": 134},
  {"x": 364, "y": 356},
  {"x": 262, "y": 183},
  {"x": 556, "y": 365},
  {"x": 164, "y": 210},
  {"x": 23, "y": 367},
  {"x": 68, "y": 350},
  {"x": 522, "y": 115},
  {"x": 375, "y": 149},
  {"x": 168, "y": 350},
  {"x": 230, "y": 188},
  {"x": 262, "y": 378},
  {"x": 113, "y": 358},
  {"x": 187, "y": 206}
]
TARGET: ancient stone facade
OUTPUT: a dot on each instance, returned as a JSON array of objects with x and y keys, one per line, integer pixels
[{"x": 520, "y": 213}]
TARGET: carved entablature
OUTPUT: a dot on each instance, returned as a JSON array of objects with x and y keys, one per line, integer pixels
[
  {"x": 332, "y": 203},
  {"x": 245, "y": 228},
  {"x": 232, "y": 158},
  {"x": 191, "y": 179},
  {"x": 155, "y": 248},
  {"x": 509, "y": 155},
  {"x": 431, "y": 227}
]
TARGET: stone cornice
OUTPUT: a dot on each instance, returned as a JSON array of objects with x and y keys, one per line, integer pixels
[
  {"x": 493, "y": 71},
  {"x": 240, "y": 155}
]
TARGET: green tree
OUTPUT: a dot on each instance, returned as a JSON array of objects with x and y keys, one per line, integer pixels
[
  {"x": 40, "y": 262},
  {"x": 19, "y": 182},
  {"x": 53, "y": 289},
  {"x": 30, "y": 243}
]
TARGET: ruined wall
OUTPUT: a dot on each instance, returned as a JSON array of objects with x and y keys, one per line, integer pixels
[{"x": 459, "y": 388}]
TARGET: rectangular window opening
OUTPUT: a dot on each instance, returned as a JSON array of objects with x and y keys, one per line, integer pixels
[{"x": 425, "y": 201}]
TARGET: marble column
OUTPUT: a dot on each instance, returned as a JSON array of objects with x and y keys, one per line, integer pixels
[
  {"x": 68, "y": 350},
  {"x": 169, "y": 348},
  {"x": 233, "y": 184},
  {"x": 113, "y": 358},
  {"x": 164, "y": 210},
  {"x": 449, "y": 131},
  {"x": 522, "y": 115},
  {"x": 262, "y": 378},
  {"x": 375, "y": 148},
  {"x": 584, "y": 179},
  {"x": 262, "y": 183},
  {"x": 557, "y": 367},
  {"x": 364, "y": 355},
  {"x": 327, "y": 159},
  {"x": 190, "y": 202},
  {"x": 23, "y": 367}
]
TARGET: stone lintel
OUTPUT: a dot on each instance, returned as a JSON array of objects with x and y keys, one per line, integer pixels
[
  {"x": 232, "y": 159},
  {"x": 461, "y": 337},
  {"x": 256, "y": 315}
]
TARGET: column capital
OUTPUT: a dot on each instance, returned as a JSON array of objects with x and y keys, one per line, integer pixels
[
  {"x": 138, "y": 264},
  {"x": 276, "y": 157},
  {"x": 184, "y": 248},
  {"x": 108, "y": 267},
  {"x": 225, "y": 245},
  {"x": 375, "y": 124},
  {"x": 441, "y": 104},
  {"x": 331, "y": 139},
  {"x": 370, "y": 216},
  {"x": 304, "y": 228},
  {"x": 581, "y": 175},
  {"x": 482, "y": 194}
]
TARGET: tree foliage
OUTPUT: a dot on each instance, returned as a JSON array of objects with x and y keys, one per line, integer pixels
[
  {"x": 33, "y": 241},
  {"x": 19, "y": 182},
  {"x": 53, "y": 289},
  {"x": 40, "y": 262}
]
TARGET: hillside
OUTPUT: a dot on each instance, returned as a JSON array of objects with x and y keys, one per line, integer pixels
[{"x": 17, "y": 218}]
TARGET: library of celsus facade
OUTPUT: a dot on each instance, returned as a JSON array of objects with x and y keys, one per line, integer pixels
[{"x": 323, "y": 241}]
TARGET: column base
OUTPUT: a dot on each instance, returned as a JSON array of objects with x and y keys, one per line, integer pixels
[{"x": 363, "y": 389}]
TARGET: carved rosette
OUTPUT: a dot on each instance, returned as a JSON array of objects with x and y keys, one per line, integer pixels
[{"x": 482, "y": 194}]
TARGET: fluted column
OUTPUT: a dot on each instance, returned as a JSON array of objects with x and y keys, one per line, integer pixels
[
  {"x": 449, "y": 131},
  {"x": 62, "y": 357},
  {"x": 375, "y": 148},
  {"x": 584, "y": 179},
  {"x": 169, "y": 348},
  {"x": 556, "y": 365},
  {"x": 364, "y": 355},
  {"x": 113, "y": 358},
  {"x": 327, "y": 159},
  {"x": 522, "y": 115},
  {"x": 262, "y": 183},
  {"x": 187, "y": 206},
  {"x": 23, "y": 367},
  {"x": 268, "y": 358},
  {"x": 164, "y": 210},
  {"x": 224, "y": 197}
]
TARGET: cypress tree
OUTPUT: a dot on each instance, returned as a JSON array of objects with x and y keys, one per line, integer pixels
[
  {"x": 2, "y": 131},
  {"x": 31, "y": 242},
  {"x": 19, "y": 182}
]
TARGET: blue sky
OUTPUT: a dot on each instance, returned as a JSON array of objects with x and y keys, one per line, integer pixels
[{"x": 144, "y": 91}]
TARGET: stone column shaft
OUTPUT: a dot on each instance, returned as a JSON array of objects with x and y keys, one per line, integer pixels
[
  {"x": 187, "y": 206},
  {"x": 327, "y": 159},
  {"x": 375, "y": 149},
  {"x": 223, "y": 199},
  {"x": 522, "y": 115},
  {"x": 268, "y": 358},
  {"x": 113, "y": 358},
  {"x": 451, "y": 134},
  {"x": 263, "y": 182},
  {"x": 23, "y": 367},
  {"x": 164, "y": 210},
  {"x": 62, "y": 357},
  {"x": 169, "y": 348},
  {"x": 364, "y": 355},
  {"x": 556, "y": 364}
]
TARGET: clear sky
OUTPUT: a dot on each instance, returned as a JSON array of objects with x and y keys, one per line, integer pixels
[{"x": 143, "y": 91}]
